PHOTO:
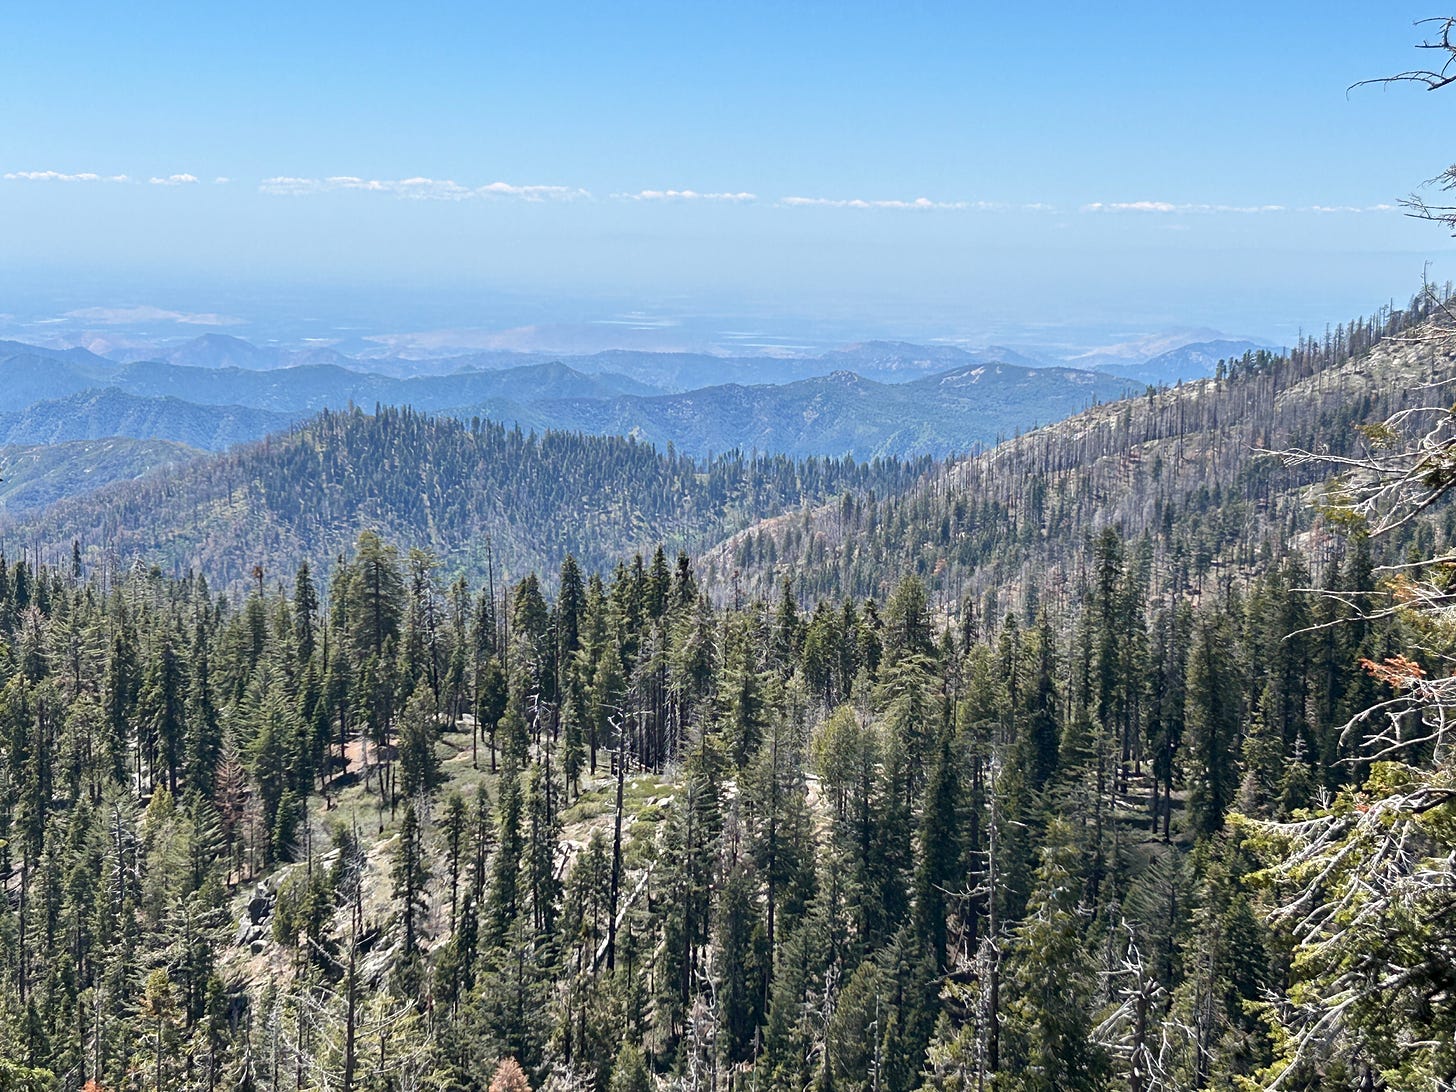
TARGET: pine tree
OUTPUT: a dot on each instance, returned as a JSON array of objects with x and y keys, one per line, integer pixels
[
  {"x": 907, "y": 620},
  {"x": 374, "y": 595},
  {"x": 740, "y": 954},
  {"x": 409, "y": 875},
  {"x": 1038, "y": 728},
  {"x": 542, "y": 827},
  {"x": 629, "y": 1071},
  {"x": 419, "y": 766},
  {"x": 203, "y": 743},
  {"x": 938, "y": 855},
  {"x": 1213, "y": 715},
  {"x": 162, "y": 708},
  {"x": 1046, "y": 1040},
  {"x": 305, "y": 608},
  {"x": 503, "y": 907}
]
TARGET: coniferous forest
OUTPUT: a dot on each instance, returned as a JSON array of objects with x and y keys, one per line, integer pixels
[
  {"x": 620, "y": 829},
  {"x": 399, "y": 754}
]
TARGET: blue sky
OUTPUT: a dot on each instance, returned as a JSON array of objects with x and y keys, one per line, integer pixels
[{"x": 960, "y": 170}]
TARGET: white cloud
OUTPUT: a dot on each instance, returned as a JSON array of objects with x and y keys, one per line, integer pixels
[
  {"x": 221, "y": 180},
  {"x": 130, "y": 316},
  {"x": 861, "y": 203},
  {"x": 1169, "y": 207},
  {"x": 685, "y": 195},
  {"x": 59, "y": 176},
  {"x": 283, "y": 184},
  {"x": 916, "y": 204},
  {"x": 1130, "y": 206},
  {"x": 405, "y": 187},
  {"x": 1350, "y": 208},
  {"x": 532, "y": 193},
  {"x": 434, "y": 189},
  {"x": 92, "y": 176}
]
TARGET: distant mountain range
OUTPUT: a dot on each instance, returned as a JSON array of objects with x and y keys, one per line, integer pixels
[
  {"x": 225, "y": 351},
  {"x": 75, "y": 396},
  {"x": 887, "y": 361},
  {"x": 878, "y": 398},
  {"x": 1197, "y": 360},
  {"x": 975, "y": 525},
  {"x": 29, "y": 375},
  {"x": 845, "y": 413}
]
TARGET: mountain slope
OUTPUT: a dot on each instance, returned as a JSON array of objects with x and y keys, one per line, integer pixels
[
  {"x": 897, "y": 361},
  {"x": 34, "y": 476},
  {"x": 30, "y": 376},
  {"x": 846, "y": 414},
  {"x": 1182, "y": 467},
  {"x": 475, "y": 496},
  {"x": 95, "y": 414},
  {"x": 1195, "y": 361},
  {"x": 75, "y": 355}
]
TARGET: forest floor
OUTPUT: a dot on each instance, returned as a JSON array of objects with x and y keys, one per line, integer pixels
[{"x": 354, "y": 800}]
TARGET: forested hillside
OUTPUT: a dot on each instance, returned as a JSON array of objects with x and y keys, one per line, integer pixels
[
  {"x": 1183, "y": 471},
  {"x": 36, "y": 475},
  {"x": 429, "y": 835},
  {"x": 111, "y": 414},
  {"x": 483, "y": 498}
]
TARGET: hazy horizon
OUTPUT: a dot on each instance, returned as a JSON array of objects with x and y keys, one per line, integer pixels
[
  {"x": 373, "y": 319},
  {"x": 704, "y": 180}
]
